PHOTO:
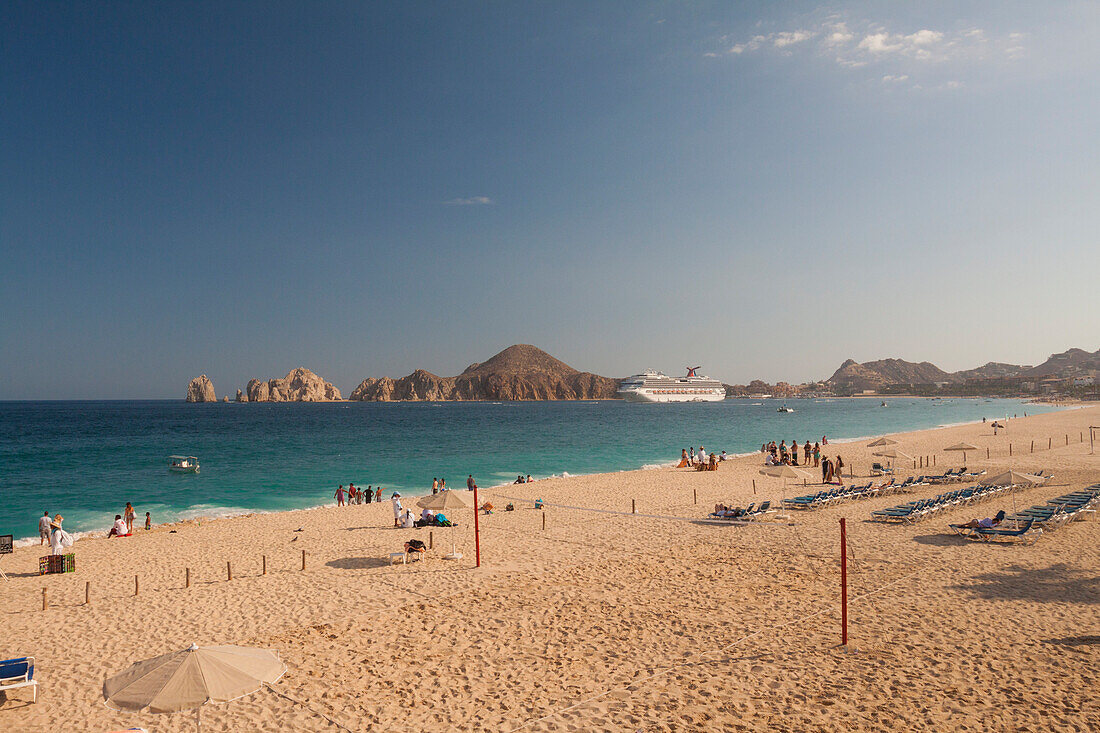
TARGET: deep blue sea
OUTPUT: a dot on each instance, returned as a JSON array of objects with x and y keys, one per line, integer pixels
[{"x": 87, "y": 459}]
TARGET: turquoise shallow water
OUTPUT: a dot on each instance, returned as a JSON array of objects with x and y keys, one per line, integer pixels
[{"x": 87, "y": 459}]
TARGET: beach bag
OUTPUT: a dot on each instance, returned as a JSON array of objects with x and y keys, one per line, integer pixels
[{"x": 416, "y": 545}]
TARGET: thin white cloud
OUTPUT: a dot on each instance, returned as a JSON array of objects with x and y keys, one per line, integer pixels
[
  {"x": 897, "y": 56},
  {"x": 790, "y": 38},
  {"x": 471, "y": 201}
]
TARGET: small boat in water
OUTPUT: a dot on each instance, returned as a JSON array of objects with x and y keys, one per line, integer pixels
[
  {"x": 183, "y": 464},
  {"x": 784, "y": 408}
]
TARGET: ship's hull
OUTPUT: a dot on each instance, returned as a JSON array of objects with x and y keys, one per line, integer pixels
[{"x": 673, "y": 395}]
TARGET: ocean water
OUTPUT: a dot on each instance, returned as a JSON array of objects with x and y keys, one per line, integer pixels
[{"x": 87, "y": 459}]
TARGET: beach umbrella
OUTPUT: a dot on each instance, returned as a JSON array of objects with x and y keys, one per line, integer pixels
[
  {"x": 191, "y": 678},
  {"x": 964, "y": 447},
  {"x": 881, "y": 442},
  {"x": 1012, "y": 478},
  {"x": 784, "y": 472},
  {"x": 445, "y": 501},
  {"x": 893, "y": 454}
]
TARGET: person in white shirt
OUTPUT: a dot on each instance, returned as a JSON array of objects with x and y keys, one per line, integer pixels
[
  {"x": 396, "y": 499},
  {"x": 44, "y": 528},
  {"x": 119, "y": 530},
  {"x": 407, "y": 522},
  {"x": 428, "y": 516}
]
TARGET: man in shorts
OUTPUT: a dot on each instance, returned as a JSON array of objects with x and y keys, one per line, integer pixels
[{"x": 44, "y": 529}]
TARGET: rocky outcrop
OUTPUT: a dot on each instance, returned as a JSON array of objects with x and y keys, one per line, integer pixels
[
  {"x": 201, "y": 389},
  {"x": 299, "y": 385},
  {"x": 241, "y": 396},
  {"x": 855, "y": 377},
  {"x": 520, "y": 372},
  {"x": 225, "y": 398}
]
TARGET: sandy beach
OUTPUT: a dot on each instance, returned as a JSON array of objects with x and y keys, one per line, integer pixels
[{"x": 602, "y": 621}]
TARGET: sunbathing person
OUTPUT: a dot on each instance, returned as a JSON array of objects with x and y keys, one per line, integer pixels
[
  {"x": 986, "y": 523},
  {"x": 721, "y": 510}
]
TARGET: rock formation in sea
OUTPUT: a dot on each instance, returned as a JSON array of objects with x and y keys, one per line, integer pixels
[
  {"x": 241, "y": 396},
  {"x": 201, "y": 389},
  {"x": 520, "y": 372},
  {"x": 299, "y": 385}
]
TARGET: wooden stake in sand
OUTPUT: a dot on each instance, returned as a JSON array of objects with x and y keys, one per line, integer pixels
[
  {"x": 45, "y": 601},
  {"x": 1050, "y": 442},
  {"x": 633, "y": 507},
  {"x": 694, "y": 496},
  {"x": 1033, "y": 446},
  {"x": 987, "y": 453},
  {"x": 431, "y": 541},
  {"x": 228, "y": 571},
  {"x": 1010, "y": 449},
  {"x": 754, "y": 486},
  {"x": 136, "y": 587},
  {"x": 88, "y": 593},
  {"x": 303, "y": 559},
  {"x": 477, "y": 533},
  {"x": 187, "y": 577},
  {"x": 544, "y": 521},
  {"x": 263, "y": 564}
]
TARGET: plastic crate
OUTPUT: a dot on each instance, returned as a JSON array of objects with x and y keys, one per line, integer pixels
[{"x": 57, "y": 564}]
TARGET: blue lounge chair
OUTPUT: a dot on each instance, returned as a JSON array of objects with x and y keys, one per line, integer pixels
[{"x": 17, "y": 673}]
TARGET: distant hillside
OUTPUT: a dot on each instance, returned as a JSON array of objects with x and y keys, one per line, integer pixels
[
  {"x": 520, "y": 372},
  {"x": 853, "y": 377}
]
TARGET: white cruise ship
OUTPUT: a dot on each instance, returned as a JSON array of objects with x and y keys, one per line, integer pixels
[{"x": 652, "y": 386}]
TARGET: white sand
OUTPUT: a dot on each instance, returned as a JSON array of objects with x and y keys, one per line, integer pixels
[{"x": 603, "y": 622}]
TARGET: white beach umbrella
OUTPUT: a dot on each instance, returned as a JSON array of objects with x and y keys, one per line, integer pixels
[
  {"x": 445, "y": 501},
  {"x": 1012, "y": 478},
  {"x": 964, "y": 447},
  {"x": 881, "y": 442},
  {"x": 191, "y": 678},
  {"x": 893, "y": 454},
  {"x": 784, "y": 472}
]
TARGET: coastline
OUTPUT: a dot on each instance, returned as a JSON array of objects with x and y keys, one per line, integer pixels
[{"x": 563, "y": 618}]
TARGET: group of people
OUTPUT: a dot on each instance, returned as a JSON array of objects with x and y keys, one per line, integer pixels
[
  {"x": 355, "y": 495},
  {"x": 689, "y": 457},
  {"x": 781, "y": 455},
  {"x": 521, "y": 480},
  {"x": 124, "y": 523}
]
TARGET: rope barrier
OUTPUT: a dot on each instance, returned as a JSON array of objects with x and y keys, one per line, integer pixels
[{"x": 694, "y": 520}]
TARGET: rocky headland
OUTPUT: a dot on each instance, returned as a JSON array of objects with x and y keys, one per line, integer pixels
[
  {"x": 201, "y": 389},
  {"x": 299, "y": 385},
  {"x": 520, "y": 372}
]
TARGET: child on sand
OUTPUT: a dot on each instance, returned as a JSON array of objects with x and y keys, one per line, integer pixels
[{"x": 148, "y": 521}]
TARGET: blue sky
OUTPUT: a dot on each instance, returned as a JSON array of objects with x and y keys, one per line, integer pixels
[{"x": 764, "y": 189}]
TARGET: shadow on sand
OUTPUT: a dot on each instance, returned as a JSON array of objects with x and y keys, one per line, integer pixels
[
  {"x": 940, "y": 540},
  {"x": 1075, "y": 641},
  {"x": 357, "y": 563},
  {"x": 1057, "y": 583}
]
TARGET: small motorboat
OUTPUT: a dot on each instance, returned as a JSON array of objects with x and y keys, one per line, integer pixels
[
  {"x": 784, "y": 408},
  {"x": 183, "y": 464},
  {"x": 883, "y": 404}
]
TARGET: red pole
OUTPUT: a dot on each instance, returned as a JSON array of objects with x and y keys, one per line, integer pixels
[
  {"x": 843, "y": 584},
  {"x": 477, "y": 532}
]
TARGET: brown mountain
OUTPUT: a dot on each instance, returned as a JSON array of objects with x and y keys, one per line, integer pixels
[
  {"x": 299, "y": 385},
  {"x": 520, "y": 372},
  {"x": 855, "y": 377},
  {"x": 1066, "y": 364}
]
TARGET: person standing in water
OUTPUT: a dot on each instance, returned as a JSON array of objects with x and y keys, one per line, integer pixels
[
  {"x": 339, "y": 496},
  {"x": 130, "y": 514}
]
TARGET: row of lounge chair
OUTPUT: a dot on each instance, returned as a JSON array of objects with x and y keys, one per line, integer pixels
[
  {"x": 751, "y": 513},
  {"x": 952, "y": 476},
  {"x": 916, "y": 511},
  {"x": 846, "y": 493},
  {"x": 1029, "y": 524}
]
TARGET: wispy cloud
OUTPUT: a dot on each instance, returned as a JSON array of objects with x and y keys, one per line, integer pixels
[
  {"x": 899, "y": 57},
  {"x": 472, "y": 201}
]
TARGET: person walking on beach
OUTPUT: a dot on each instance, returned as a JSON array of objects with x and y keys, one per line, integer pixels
[
  {"x": 817, "y": 454},
  {"x": 435, "y": 486},
  {"x": 396, "y": 499},
  {"x": 806, "y": 450},
  {"x": 837, "y": 470},
  {"x": 148, "y": 521},
  {"x": 470, "y": 485},
  {"x": 794, "y": 452},
  {"x": 826, "y": 471},
  {"x": 44, "y": 528},
  {"x": 130, "y": 514},
  {"x": 378, "y": 495},
  {"x": 339, "y": 496},
  {"x": 370, "y": 493}
]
